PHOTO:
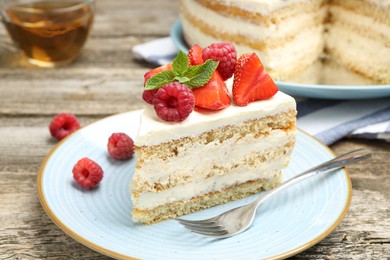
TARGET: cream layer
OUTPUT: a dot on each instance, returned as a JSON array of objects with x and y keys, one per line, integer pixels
[
  {"x": 265, "y": 7},
  {"x": 336, "y": 74},
  {"x": 154, "y": 131},
  {"x": 373, "y": 62},
  {"x": 262, "y": 7},
  {"x": 242, "y": 174},
  {"x": 255, "y": 32},
  {"x": 220, "y": 158},
  {"x": 362, "y": 24},
  {"x": 310, "y": 75},
  {"x": 380, "y": 3}
]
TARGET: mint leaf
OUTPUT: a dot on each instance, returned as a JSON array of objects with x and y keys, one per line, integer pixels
[
  {"x": 160, "y": 79},
  {"x": 182, "y": 80},
  {"x": 201, "y": 74},
  {"x": 192, "y": 76},
  {"x": 180, "y": 64}
]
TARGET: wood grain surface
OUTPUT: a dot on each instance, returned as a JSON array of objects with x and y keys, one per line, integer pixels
[{"x": 106, "y": 80}]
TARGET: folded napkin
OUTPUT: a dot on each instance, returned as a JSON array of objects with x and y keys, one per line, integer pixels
[{"x": 327, "y": 120}]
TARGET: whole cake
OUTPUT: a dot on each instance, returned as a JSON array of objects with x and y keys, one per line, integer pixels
[
  {"x": 221, "y": 151},
  {"x": 296, "y": 39}
]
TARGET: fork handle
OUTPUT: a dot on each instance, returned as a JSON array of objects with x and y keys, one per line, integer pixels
[{"x": 331, "y": 165}]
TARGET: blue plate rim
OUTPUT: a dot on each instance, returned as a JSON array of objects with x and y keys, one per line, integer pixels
[
  {"x": 69, "y": 231},
  {"x": 176, "y": 35}
]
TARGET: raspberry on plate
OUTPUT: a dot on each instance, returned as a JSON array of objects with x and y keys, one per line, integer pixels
[
  {"x": 120, "y": 146},
  {"x": 87, "y": 173},
  {"x": 174, "y": 102},
  {"x": 62, "y": 125},
  {"x": 226, "y": 54}
]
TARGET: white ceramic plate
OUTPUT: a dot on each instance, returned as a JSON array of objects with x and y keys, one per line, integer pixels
[
  {"x": 306, "y": 90},
  {"x": 101, "y": 219}
]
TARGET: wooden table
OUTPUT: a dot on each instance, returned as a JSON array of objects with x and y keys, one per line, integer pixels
[{"x": 106, "y": 80}]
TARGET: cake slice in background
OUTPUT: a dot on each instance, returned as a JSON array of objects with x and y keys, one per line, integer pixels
[
  {"x": 298, "y": 39},
  {"x": 333, "y": 73},
  {"x": 358, "y": 38},
  {"x": 287, "y": 35}
]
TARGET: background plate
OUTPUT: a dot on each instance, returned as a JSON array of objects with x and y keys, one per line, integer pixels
[
  {"x": 101, "y": 219},
  {"x": 306, "y": 90}
]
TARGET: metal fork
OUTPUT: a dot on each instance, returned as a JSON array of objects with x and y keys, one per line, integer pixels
[{"x": 238, "y": 220}]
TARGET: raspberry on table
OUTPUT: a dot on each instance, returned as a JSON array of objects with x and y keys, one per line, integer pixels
[
  {"x": 87, "y": 173},
  {"x": 120, "y": 146},
  {"x": 63, "y": 124},
  {"x": 226, "y": 54},
  {"x": 174, "y": 102}
]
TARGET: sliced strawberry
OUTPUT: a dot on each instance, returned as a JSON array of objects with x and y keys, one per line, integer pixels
[
  {"x": 195, "y": 55},
  {"x": 251, "y": 82},
  {"x": 155, "y": 71},
  {"x": 214, "y": 95}
]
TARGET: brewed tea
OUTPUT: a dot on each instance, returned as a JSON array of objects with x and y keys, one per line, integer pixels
[{"x": 49, "y": 31}]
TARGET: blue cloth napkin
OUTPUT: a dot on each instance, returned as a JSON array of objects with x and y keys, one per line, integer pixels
[{"x": 327, "y": 120}]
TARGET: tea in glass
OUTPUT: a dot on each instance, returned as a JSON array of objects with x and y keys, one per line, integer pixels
[{"x": 49, "y": 33}]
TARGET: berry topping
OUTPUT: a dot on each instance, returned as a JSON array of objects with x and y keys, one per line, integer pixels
[
  {"x": 87, "y": 173},
  {"x": 174, "y": 102},
  {"x": 191, "y": 76},
  {"x": 62, "y": 125},
  {"x": 226, "y": 54},
  {"x": 251, "y": 82},
  {"x": 155, "y": 71},
  {"x": 214, "y": 95},
  {"x": 120, "y": 146},
  {"x": 195, "y": 55},
  {"x": 148, "y": 95}
]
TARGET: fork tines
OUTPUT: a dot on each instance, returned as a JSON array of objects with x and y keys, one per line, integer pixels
[{"x": 203, "y": 227}]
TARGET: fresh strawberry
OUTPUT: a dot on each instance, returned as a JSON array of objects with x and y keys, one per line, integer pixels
[
  {"x": 251, "y": 82},
  {"x": 195, "y": 55},
  {"x": 214, "y": 95},
  {"x": 155, "y": 71}
]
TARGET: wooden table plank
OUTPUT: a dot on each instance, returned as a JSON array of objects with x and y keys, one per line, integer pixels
[{"x": 106, "y": 80}]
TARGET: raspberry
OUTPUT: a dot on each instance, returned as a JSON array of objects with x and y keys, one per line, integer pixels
[
  {"x": 120, "y": 146},
  {"x": 148, "y": 95},
  {"x": 226, "y": 54},
  {"x": 87, "y": 173},
  {"x": 62, "y": 125},
  {"x": 174, "y": 102}
]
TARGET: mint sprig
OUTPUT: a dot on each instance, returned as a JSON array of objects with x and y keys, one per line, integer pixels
[
  {"x": 160, "y": 79},
  {"x": 192, "y": 76},
  {"x": 180, "y": 64}
]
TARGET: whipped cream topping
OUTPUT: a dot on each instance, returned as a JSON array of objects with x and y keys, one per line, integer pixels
[{"x": 154, "y": 131}]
